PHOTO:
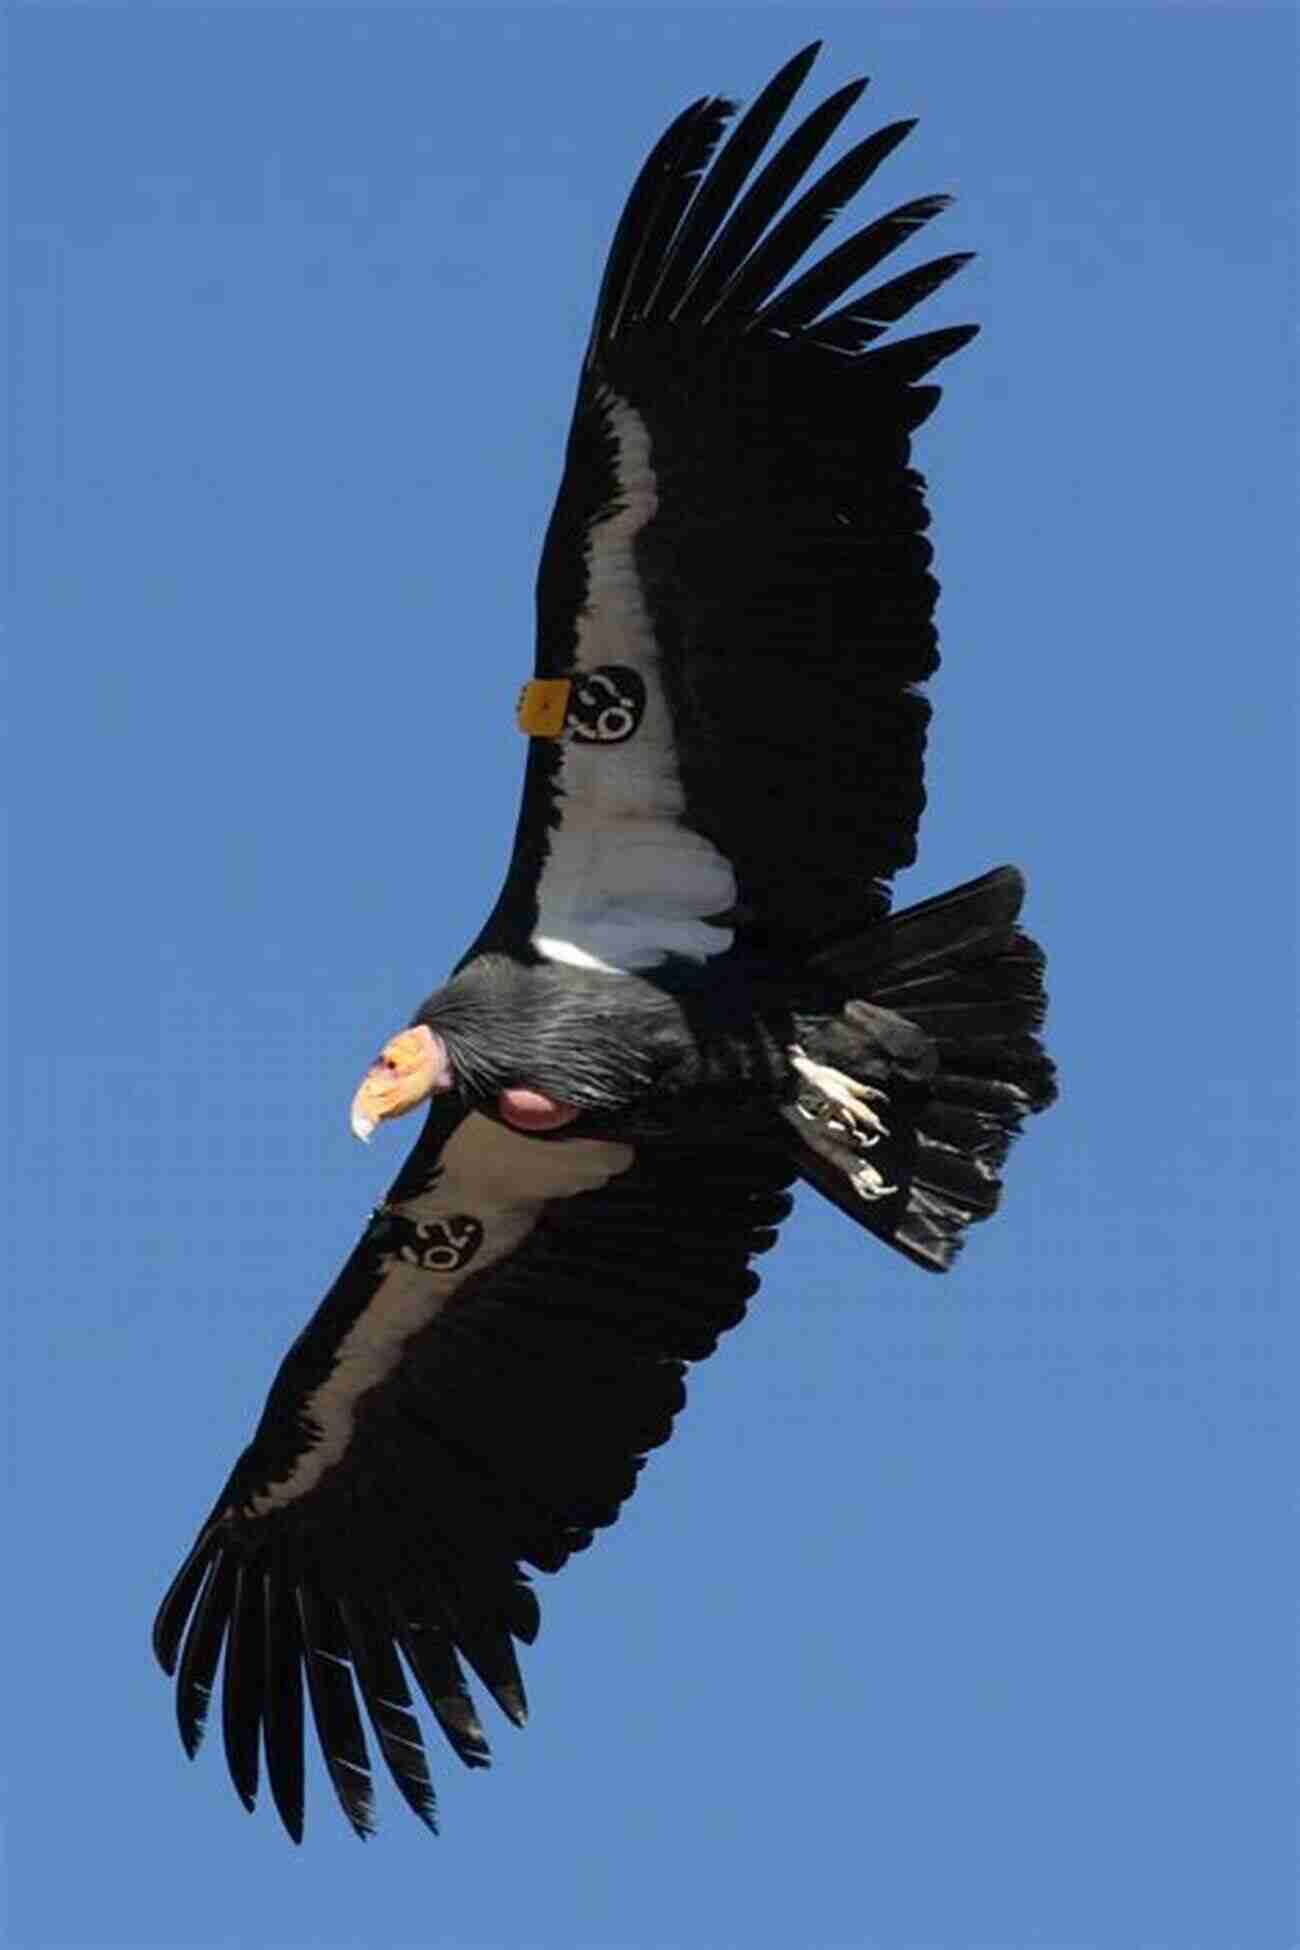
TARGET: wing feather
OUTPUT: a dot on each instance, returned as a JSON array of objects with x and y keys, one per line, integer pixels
[
  {"x": 808, "y": 296},
  {"x": 203, "y": 1642},
  {"x": 178, "y": 1603},
  {"x": 244, "y": 1672},
  {"x": 334, "y": 1706},
  {"x": 867, "y": 317},
  {"x": 725, "y": 180},
  {"x": 680, "y": 178},
  {"x": 283, "y": 1722},
  {"x": 387, "y": 1699},
  {"x": 641, "y": 211},
  {"x": 431, "y": 1654},
  {"x": 774, "y": 185},
  {"x": 803, "y": 223}
]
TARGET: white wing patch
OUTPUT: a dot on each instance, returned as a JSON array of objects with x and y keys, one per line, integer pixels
[
  {"x": 502, "y": 1179},
  {"x": 626, "y": 883}
]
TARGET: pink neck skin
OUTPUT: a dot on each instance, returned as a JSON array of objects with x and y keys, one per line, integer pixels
[{"x": 532, "y": 1110}]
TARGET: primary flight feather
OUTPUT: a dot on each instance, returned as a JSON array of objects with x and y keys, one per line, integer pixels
[{"x": 689, "y": 995}]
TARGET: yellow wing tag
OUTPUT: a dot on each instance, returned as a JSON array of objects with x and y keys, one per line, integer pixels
[{"x": 543, "y": 707}]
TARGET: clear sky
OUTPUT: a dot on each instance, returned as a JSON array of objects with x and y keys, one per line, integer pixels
[{"x": 957, "y": 1614}]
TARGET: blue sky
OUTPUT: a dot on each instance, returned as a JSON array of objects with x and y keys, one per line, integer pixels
[{"x": 957, "y": 1614}]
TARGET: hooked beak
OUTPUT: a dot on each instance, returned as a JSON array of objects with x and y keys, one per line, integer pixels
[{"x": 410, "y": 1067}]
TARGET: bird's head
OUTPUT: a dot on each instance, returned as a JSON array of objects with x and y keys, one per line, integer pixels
[{"x": 411, "y": 1066}]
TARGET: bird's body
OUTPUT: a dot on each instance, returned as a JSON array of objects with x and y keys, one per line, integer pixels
[
  {"x": 690, "y": 994},
  {"x": 618, "y": 1047},
  {"x": 636, "y": 1054}
]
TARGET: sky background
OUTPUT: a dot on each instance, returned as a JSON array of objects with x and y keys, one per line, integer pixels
[{"x": 958, "y": 1615}]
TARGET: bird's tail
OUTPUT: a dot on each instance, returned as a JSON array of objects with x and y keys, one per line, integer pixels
[{"x": 910, "y": 1096}]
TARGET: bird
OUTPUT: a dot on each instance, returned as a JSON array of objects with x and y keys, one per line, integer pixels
[{"x": 691, "y": 996}]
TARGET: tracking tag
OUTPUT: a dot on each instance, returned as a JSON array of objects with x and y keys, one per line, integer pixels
[{"x": 543, "y": 707}]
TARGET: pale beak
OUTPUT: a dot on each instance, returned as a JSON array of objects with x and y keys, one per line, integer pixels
[{"x": 410, "y": 1068}]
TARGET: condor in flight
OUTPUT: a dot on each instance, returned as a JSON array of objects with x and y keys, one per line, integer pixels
[{"x": 690, "y": 995}]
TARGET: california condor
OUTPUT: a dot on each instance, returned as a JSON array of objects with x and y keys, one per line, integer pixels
[{"x": 690, "y": 994}]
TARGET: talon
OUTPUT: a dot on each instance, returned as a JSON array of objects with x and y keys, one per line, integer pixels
[
  {"x": 868, "y": 1183},
  {"x": 843, "y": 1095}
]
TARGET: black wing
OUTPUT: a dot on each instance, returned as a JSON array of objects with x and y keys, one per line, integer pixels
[
  {"x": 476, "y": 1393},
  {"x": 735, "y": 579}
]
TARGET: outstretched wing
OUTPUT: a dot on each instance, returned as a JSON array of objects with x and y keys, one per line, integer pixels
[
  {"x": 476, "y": 1393},
  {"x": 734, "y": 600}
]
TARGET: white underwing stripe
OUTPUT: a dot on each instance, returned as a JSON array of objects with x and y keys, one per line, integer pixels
[
  {"x": 626, "y": 883},
  {"x": 500, "y": 1177}
]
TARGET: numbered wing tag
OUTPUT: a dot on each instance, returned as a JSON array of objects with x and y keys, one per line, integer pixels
[
  {"x": 441, "y": 1245},
  {"x": 597, "y": 707}
]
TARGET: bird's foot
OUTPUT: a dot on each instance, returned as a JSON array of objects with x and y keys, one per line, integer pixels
[
  {"x": 844, "y": 1106},
  {"x": 867, "y": 1182}
]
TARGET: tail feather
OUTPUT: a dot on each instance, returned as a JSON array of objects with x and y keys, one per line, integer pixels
[
  {"x": 933, "y": 930},
  {"x": 946, "y": 1003}
]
